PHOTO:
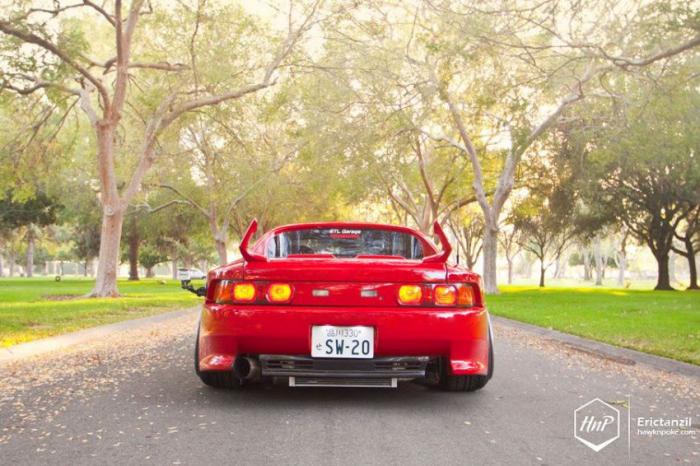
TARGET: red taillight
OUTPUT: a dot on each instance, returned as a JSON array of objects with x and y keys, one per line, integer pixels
[
  {"x": 410, "y": 295},
  {"x": 279, "y": 293}
]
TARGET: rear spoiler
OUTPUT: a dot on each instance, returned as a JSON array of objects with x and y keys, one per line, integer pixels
[
  {"x": 247, "y": 255},
  {"x": 446, "y": 248},
  {"x": 437, "y": 230}
]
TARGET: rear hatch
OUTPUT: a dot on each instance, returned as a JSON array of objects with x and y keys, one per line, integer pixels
[{"x": 345, "y": 282}]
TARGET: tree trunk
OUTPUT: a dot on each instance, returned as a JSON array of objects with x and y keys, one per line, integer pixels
[
  {"x": 174, "y": 266},
  {"x": 11, "y": 258},
  {"x": 510, "y": 271},
  {"x": 542, "y": 271},
  {"x": 220, "y": 236},
  {"x": 692, "y": 266},
  {"x": 621, "y": 267},
  {"x": 490, "y": 248},
  {"x": 134, "y": 243},
  {"x": 110, "y": 237},
  {"x": 221, "y": 251},
  {"x": 470, "y": 262},
  {"x": 587, "y": 273},
  {"x": 561, "y": 272},
  {"x": 663, "y": 280},
  {"x": 150, "y": 273},
  {"x": 671, "y": 267},
  {"x": 112, "y": 212},
  {"x": 2, "y": 270},
  {"x": 30, "y": 252},
  {"x": 598, "y": 258},
  {"x": 85, "y": 268}
]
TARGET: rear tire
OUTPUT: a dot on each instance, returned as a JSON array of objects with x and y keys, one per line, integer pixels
[
  {"x": 216, "y": 379},
  {"x": 466, "y": 383}
]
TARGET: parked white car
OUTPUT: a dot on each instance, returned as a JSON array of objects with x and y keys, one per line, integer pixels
[{"x": 190, "y": 274}]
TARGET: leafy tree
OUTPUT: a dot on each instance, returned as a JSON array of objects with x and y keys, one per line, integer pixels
[
  {"x": 645, "y": 169},
  {"x": 467, "y": 228},
  {"x": 149, "y": 257},
  {"x": 544, "y": 218},
  {"x": 63, "y": 59},
  {"x": 30, "y": 214},
  {"x": 448, "y": 42},
  {"x": 510, "y": 246}
]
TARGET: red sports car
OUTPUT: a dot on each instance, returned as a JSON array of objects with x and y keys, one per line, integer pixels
[{"x": 344, "y": 304}]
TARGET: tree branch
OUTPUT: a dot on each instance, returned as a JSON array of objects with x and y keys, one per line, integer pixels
[
  {"x": 187, "y": 199},
  {"x": 31, "y": 38}
]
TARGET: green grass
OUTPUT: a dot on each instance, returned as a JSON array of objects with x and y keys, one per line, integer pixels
[
  {"x": 32, "y": 308},
  {"x": 666, "y": 323}
]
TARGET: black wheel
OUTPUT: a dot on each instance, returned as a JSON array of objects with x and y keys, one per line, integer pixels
[
  {"x": 466, "y": 383},
  {"x": 216, "y": 379}
]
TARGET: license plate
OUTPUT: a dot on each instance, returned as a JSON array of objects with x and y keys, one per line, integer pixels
[{"x": 330, "y": 341}]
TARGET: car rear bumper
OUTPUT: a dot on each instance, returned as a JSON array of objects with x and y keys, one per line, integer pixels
[{"x": 461, "y": 336}]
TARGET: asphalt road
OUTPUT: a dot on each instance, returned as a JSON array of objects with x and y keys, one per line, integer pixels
[{"x": 133, "y": 399}]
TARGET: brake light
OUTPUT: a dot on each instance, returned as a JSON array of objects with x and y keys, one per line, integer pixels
[
  {"x": 244, "y": 292},
  {"x": 279, "y": 293},
  {"x": 410, "y": 295},
  {"x": 445, "y": 295}
]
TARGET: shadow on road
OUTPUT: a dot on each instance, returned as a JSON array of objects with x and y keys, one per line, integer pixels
[{"x": 407, "y": 394}]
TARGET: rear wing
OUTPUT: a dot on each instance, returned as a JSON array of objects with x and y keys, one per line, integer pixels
[
  {"x": 446, "y": 248},
  {"x": 247, "y": 255},
  {"x": 437, "y": 257}
]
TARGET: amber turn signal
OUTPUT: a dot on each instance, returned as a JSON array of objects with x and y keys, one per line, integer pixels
[
  {"x": 223, "y": 292},
  {"x": 244, "y": 292},
  {"x": 279, "y": 293},
  {"x": 445, "y": 295},
  {"x": 465, "y": 295},
  {"x": 410, "y": 295}
]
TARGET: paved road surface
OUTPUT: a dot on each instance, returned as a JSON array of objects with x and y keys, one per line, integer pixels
[{"x": 133, "y": 399}]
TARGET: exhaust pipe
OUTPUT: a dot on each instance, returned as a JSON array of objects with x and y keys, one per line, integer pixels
[{"x": 246, "y": 368}]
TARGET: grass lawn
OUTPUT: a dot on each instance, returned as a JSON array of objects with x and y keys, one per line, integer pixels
[
  {"x": 32, "y": 308},
  {"x": 666, "y": 323}
]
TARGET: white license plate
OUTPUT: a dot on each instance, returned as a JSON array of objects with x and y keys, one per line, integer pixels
[{"x": 330, "y": 341}]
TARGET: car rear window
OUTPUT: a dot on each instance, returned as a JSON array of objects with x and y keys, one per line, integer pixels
[{"x": 345, "y": 242}]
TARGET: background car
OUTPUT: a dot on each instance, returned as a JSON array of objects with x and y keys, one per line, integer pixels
[{"x": 190, "y": 274}]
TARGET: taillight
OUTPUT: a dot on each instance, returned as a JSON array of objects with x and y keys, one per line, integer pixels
[
  {"x": 244, "y": 292},
  {"x": 223, "y": 292},
  {"x": 445, "y": 295},
  {"x": 410, "y": 295},
  {"x": 279, "y": 293},
  {"x": 234, "y": 292},
  {"x": 457, "y": 295},
  {"x": 465, "y": 295}
]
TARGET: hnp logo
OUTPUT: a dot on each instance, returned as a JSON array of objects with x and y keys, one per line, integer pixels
[{"x": 596, "y": 424}]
